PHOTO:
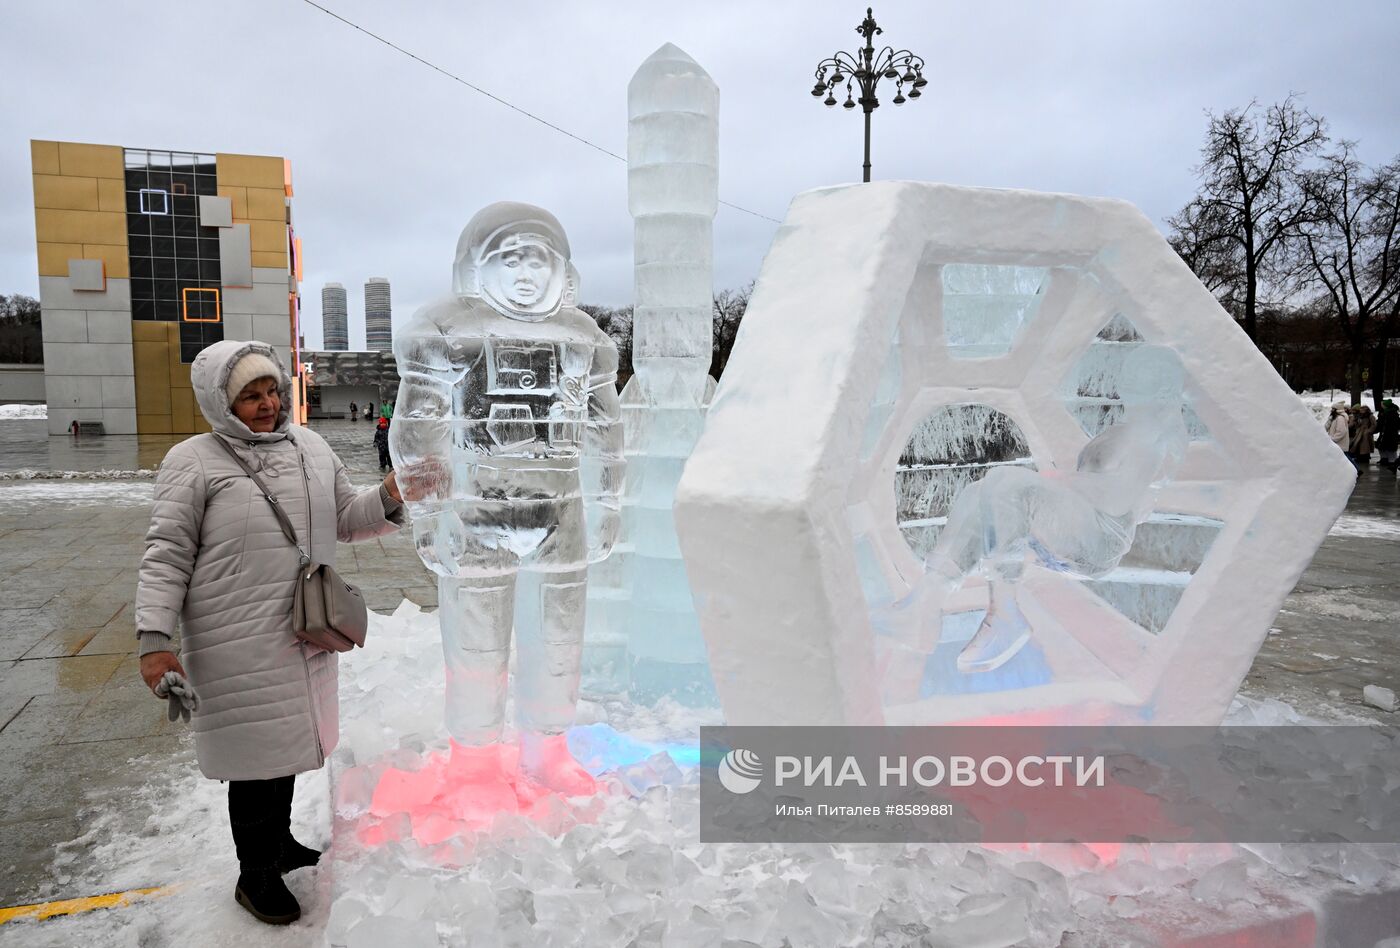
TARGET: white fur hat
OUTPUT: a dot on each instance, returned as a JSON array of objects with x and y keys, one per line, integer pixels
[{"x": 252, "y": 366}]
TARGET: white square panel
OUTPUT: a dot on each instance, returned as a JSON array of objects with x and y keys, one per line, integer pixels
[{"x": 87, "y": 275}]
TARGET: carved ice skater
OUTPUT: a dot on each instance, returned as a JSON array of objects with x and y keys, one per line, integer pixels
[
  {"x": 1081, "y": 522},
  {"x": 506, "y": 437}
]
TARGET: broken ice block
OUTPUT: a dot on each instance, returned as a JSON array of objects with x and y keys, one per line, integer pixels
[{"x": 1378, "y": 697}]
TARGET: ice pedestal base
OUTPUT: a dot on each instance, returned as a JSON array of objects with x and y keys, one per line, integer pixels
[{"x": 626, "y": 865}]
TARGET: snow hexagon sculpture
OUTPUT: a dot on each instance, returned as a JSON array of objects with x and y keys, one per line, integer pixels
[{"x": 790, "y": 521}]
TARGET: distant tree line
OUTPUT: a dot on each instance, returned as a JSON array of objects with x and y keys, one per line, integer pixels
[
  {"x": 1300, "y": 242},
  {"x": 21, "y": 337},
  {"x": 726, "y": 314}
]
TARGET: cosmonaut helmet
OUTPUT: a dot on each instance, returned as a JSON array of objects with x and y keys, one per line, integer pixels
[{"x": 507, "y": 230}]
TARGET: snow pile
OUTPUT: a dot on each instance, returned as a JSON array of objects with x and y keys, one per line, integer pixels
[
  {"x": 23, "y": 412},
  {"x": 111, "y": 493},
  {"x": 1353, "y": 525},
  {"x": 31, "y": 474}
]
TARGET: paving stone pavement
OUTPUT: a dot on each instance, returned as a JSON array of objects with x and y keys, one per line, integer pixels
[
  {"x": 74, "y": 712},
  {"x": 73, "y": 707}
]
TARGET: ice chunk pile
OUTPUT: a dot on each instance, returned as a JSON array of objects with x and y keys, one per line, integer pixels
[
  {"x": 636, "y": 871},
  {"x": 627, "y": 865}
]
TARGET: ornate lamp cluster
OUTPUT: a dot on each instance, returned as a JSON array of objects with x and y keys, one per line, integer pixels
[{"x": 865, "y": 69}]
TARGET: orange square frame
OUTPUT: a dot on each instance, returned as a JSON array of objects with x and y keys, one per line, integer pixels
[{"x": 185, "y": 304}]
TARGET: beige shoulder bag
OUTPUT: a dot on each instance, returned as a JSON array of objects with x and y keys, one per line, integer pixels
[{"x": 327, "y": 611}]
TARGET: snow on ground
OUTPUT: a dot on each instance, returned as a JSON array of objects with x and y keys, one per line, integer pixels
[
  {"x": 30, "y": 474},
  {"x": 633, "y": 871},
  {"x": 1351, "y": 525},
  {"x": 102, "y": 493},
  {"x": 12, "y": 412}
]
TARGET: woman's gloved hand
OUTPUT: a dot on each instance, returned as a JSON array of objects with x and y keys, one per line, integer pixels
[
  {"x": 154, "y": 665},
  {"x": 176, "y": 689}
]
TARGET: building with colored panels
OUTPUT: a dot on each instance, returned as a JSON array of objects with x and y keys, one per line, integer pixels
[{"x": 147, "y": 256}]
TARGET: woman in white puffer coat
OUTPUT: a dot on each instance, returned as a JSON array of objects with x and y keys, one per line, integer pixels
[{"x": 218, "y": 564}]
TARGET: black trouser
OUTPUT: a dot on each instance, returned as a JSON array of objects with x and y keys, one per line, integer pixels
[
  {"x": 260, "y": 813},
  {"x": 384, "y": 459}
]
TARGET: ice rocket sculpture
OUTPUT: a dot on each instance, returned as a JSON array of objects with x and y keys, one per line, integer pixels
[{"x": 643, "y": 635}]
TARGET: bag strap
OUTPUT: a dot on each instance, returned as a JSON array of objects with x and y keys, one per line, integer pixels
[{"x": 282, "y": 519}]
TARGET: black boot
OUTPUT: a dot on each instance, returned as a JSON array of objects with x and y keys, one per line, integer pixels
[
  {"x": 292, "y": 854},
  {"x": 257, "y": 818},
  {"x": 263, "y": 893}
]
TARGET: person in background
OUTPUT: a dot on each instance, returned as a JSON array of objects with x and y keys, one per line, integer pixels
[
  {"x": 1363, "y": 429},
  {"x": 1339, "y": 427},
  {"x": 369, "y": 409},
  {"x": 386, "y": 410},
  {"x": 218, "y": 566},
  {"x": 1388, "y": 435},
  {"x": 381, "y": 441},
  {"x": 354, "y": 412}
]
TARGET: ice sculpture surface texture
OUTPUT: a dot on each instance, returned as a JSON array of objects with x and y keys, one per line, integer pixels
[
  {"x": 640, "y": 600},
  {"x": 976, "y": 331},
  {"x": 507, "y": 443}
]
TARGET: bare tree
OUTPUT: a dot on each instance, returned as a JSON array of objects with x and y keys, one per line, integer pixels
[
  {"x": 21, "y": 338},
  {"x": 730, "y": 306},
  {"x": 1352, "y": 252},
  {"x": 1233, "y": 234},
  {"x": 617, "y": 323}
]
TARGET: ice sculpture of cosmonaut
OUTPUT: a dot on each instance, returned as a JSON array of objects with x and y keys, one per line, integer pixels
[
  {"x": 1080, "y": 522},
  {"x": 507, "y": 443}
]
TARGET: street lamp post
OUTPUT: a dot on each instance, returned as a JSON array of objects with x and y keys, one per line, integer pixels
[{"x": 866, "y": 69}]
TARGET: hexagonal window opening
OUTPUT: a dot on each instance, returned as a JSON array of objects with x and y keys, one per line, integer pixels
[
  {"x": 952, "y": 447},
  {"x": 958, "y": 444},
  {"x": 1090, "y": 389},
  {"x": 986, "y": 307}
]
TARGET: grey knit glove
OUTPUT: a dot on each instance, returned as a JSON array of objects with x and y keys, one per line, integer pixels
[{"x": 179, "y": 695}]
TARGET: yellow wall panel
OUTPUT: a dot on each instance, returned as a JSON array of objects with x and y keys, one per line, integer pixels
[
  {"x": 94, "y": 161},
  {"x": 251, "y": 171},
  {"x": 266, "y": 258},
  {"x": 152, "y": 424},
  {"x": 200, "y": 425},
  {"x": 79, "y": 227},
  {"x": 182, "y": 411},
  {"x": 65, "y": 192},
  {"x": 44, "y": 156},
  {"x": 151, "y": 365},
  {"x": 269, "y": 237},
  {"x": 111, "y": 195},
  {"x": 238, "y": 201},
  {"x": 147, "y": 330},
  {"x": 115, "y": 258},
  {"x": 54, "y": 257},
  {"x": 266, "y": 204},
  {"x": 179, "y": 375}
]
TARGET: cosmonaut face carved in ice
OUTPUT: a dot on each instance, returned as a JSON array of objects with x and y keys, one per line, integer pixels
[
  {"x": 523, "y": 276},
  {"x": 516, "y": 258},
  {"x": 508, "y": 448}
]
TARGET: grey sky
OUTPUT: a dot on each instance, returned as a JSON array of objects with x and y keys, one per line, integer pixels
[{"x": 390, "y": 159}]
